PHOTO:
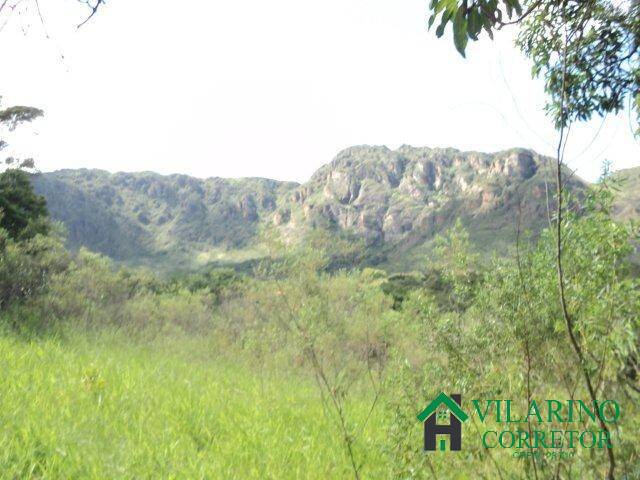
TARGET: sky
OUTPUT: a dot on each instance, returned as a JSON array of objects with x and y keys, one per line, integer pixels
[{"x": 272, "y": 89}]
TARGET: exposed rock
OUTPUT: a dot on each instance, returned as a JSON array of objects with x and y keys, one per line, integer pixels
[{"x": 386, "y": 197}]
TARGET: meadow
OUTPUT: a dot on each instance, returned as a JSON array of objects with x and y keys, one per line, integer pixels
[{"x": 103, "y": 406}]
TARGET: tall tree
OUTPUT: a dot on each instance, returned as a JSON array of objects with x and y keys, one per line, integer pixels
[
  {"x": 588, "y": 53},
  {"x": 22, "y": 212}
]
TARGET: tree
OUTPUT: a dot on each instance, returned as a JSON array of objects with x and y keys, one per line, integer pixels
[
  {"x": 24, "y": 213},
  {"x": 587, "y": 52},
  {"x": 10, "y": 119},
  {"x": 599, "y": 39}
]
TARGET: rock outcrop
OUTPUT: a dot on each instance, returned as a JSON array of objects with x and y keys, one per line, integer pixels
[{"x": 393, "y": 199}]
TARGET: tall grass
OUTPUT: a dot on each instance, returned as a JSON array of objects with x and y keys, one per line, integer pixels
[{"x": 105, "y": 407}]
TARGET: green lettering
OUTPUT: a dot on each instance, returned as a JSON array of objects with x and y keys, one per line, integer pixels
[
  {"x": 603, "y": 411},
  {"x": 604, "y": 437},
  {"x": 556, "y": 438},
  {"x": 539, "y": 434},
  {"x": 484, "y": 438},
  {"x": 572, "y": 434},
  {"x": 554, "y": 407},
  {"x": 476, "y": 405},
  {"x": 511, "y": 436},
  {"x": 590, "y": 413},
  {"x": 534, "y": 410},
  {"x": 582, "y": 439},
  {"x": 525, "y": 440},
  {"x": 570, "y": 415}
]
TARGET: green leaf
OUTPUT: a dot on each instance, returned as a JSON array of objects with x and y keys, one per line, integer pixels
[
  {"x": 431, "y": 20},
  {"x": 460, "y": 36},
  {"x": 474, "y": 24},
  {"x": 446, "y": 16},
  {"x": 440, "y": 29},
  {"x": 487, "y": 26},
  {"x": 517, "y": 7},
  {"x": 439, "y": 5},
  {"x": 509, "y": 8}
]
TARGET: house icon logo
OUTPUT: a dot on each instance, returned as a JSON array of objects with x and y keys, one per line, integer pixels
[{"x": 432, "y": 415}]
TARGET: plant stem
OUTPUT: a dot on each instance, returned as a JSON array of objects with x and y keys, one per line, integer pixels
[{"x": 560, "y": 270}]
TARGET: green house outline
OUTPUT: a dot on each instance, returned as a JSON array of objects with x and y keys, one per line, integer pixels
[{"x": 445, "y": 399}]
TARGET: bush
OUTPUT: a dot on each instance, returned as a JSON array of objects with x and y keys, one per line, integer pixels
[{"x": 27, "y": 266}]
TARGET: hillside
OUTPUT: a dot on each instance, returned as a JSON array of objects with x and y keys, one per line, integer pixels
[
  {"x": 395, "y": 200},
  {"x": 399, "y": 200},
  {"x": 628, "y": 198},
  {"x": 166, "y": 221}
]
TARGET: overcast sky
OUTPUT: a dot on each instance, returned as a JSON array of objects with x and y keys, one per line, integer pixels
[{"x": 270, "y": 88}]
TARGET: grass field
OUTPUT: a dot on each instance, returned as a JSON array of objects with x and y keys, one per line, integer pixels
[{"x": 106, "y": 407}]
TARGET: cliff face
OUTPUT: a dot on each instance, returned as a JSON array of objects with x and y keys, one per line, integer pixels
[
  {"x": 396, "y": 200},
  {"x": 385, "y": 196}
]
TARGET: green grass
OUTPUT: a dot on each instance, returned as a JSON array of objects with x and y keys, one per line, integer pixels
[{"x": 106, "y": 407}]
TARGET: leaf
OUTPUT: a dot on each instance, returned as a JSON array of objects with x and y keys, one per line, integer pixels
[
  {"x": 446, "y": 16},
  {"x": 438, "y": 6},
  {"x": 440, "y": 29},
  {"x": 487, "y": 26},
  {"x": 517, "y": 7},
  {"x": 509, "y": 8},
  {"x": 431, "y": 20},
  {"x": 460, "y": 37},
  {"x": 474, "y": 24}
]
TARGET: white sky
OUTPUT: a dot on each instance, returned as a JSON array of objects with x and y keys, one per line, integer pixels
[{"x": 270, "y": 88}]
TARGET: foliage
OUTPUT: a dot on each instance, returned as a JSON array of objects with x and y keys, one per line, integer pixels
[
  {"x": 26, "y": 266},
  {"x": 14, "y": 116},
  {"x": 23, "y": 213},
  {"x": 469, "y": 19},
  {"x": 93, "y": 293},
  {"x": 217, "y": 282},
  {"x": 509, "y": 341},
  {"x": 10, "y": 118},
  {"x": 586, "y": 51},
  {"x": 459, "y": 264},
  {"x": 172, "y": 223}
]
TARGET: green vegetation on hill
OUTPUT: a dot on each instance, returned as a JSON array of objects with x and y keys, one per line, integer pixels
[
  {"x": 395, "y": 202},
  {"x": 168, "y": 222}
]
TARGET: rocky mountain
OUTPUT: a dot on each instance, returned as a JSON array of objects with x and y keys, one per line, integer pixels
[
  {"x": 403, "y": 198},
  {"x": 394, "y": 200}
]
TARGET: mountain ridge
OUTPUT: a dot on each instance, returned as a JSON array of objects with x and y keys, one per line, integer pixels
[{"x": 394, "y": 200}]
